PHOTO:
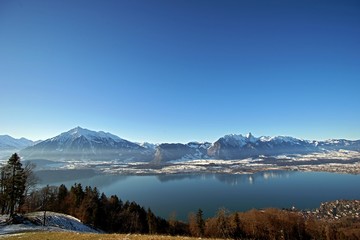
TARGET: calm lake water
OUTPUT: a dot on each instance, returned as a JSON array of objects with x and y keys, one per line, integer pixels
[{"x": 182, "y": 194}]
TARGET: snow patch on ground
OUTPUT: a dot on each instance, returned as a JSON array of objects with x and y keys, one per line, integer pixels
[{"x": 53, "y": 222}]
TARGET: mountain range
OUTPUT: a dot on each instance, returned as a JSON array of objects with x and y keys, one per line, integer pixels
[
  {"x": 84, "y": 144},
  {"x": 9, "y": 143}
]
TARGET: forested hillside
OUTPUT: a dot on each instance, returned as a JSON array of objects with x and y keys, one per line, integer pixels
[{"x": 113, "y": 215}]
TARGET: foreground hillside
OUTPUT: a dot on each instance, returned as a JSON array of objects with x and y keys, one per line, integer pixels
[
  {"x": 83, "y": 236},
  {"x": 54, "y": 222}
]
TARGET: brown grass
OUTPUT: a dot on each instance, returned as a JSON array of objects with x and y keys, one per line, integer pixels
[{"x": 87, "y": 236}]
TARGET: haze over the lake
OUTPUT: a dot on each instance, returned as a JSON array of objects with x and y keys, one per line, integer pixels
[{"x": 179, "y": 71}]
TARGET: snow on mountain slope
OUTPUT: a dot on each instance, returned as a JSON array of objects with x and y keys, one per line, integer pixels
[
  {"x": 239, "y": 146},
  {"x": 149, "y": 146},
  {"x": 280, "y": 139},
  {"x": 9, "y": 143},
  {"x": 88, "y": 134},
  {"x": 84, "y": 144},
  {"x": 234, "y": 140},
  {"x": 239, "y": 140}
]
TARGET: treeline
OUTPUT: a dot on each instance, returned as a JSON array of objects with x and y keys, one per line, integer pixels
[
  {"x": 272, "y": 224},
  {"x": 110, "y": 214}
]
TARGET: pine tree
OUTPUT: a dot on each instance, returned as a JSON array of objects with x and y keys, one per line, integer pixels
[
  {"x": 62, "y": 202},
  {"x": 200, "y": 222},
  {"x": 76, "y": 196},
  {"x": 89, "y": 207},
  {"x": 14, "y": 183}
]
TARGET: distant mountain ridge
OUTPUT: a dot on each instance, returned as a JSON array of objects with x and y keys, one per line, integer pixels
[
  {"x": 9, "y": 143},
  {"x": 84, "y": 144},
  {"x": 177, "y": 151},
  {"x": 238, "y": 146},
  {"x": 232, "y": 146}
]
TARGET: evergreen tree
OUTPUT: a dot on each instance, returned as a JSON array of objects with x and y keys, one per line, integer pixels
[
  {"x": 200, "y": 222},
  {"x": 14, "y": 183},
  {"x": 62, "y": 203},
  {"x": 76, "y": 196}
]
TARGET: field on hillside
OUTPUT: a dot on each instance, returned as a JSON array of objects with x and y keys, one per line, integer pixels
[{"x": 83, "y": 236}]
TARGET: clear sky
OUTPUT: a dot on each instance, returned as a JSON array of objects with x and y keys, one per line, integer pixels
[{"x": 180, "y": 70}]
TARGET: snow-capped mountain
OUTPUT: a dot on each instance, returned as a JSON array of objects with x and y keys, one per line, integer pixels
[
  {"x": 238, "y": 146},
  {"x": 84, "y": 144},
  {"x": 79, "y": 132},
  {"x": 336, "y": 144},
  {"x": 9, "y": 143},
  {"x": 234, "y": 146}
]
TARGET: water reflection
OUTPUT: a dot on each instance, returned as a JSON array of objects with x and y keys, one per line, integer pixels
[
  {"x": 68, "y": 177},
  {"x": 177, "y": 177},
  {"x": 90, "y": 177},
  {"x": 235, "y": 179},
  {"x": 231, "y": 179}
]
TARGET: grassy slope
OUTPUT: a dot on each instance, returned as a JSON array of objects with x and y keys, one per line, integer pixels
[{"x": 87, "y": 236}]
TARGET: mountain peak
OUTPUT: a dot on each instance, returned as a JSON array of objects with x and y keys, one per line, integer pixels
[
  {"x": 78, "y": 131},
  {"x": 86, "y": 133},
  {"x": 247, "y": 138},
  {"x": 78, "y": 128},
  {"x": 251, "y": 138}
]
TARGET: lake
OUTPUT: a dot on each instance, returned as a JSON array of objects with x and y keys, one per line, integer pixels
[{"x": 182, "y": 194}]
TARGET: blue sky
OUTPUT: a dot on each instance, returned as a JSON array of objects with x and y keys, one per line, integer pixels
[{"x": 177, "y": 71}]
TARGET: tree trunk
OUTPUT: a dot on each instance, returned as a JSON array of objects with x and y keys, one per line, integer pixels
[{"x": 44, "y": 221}]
